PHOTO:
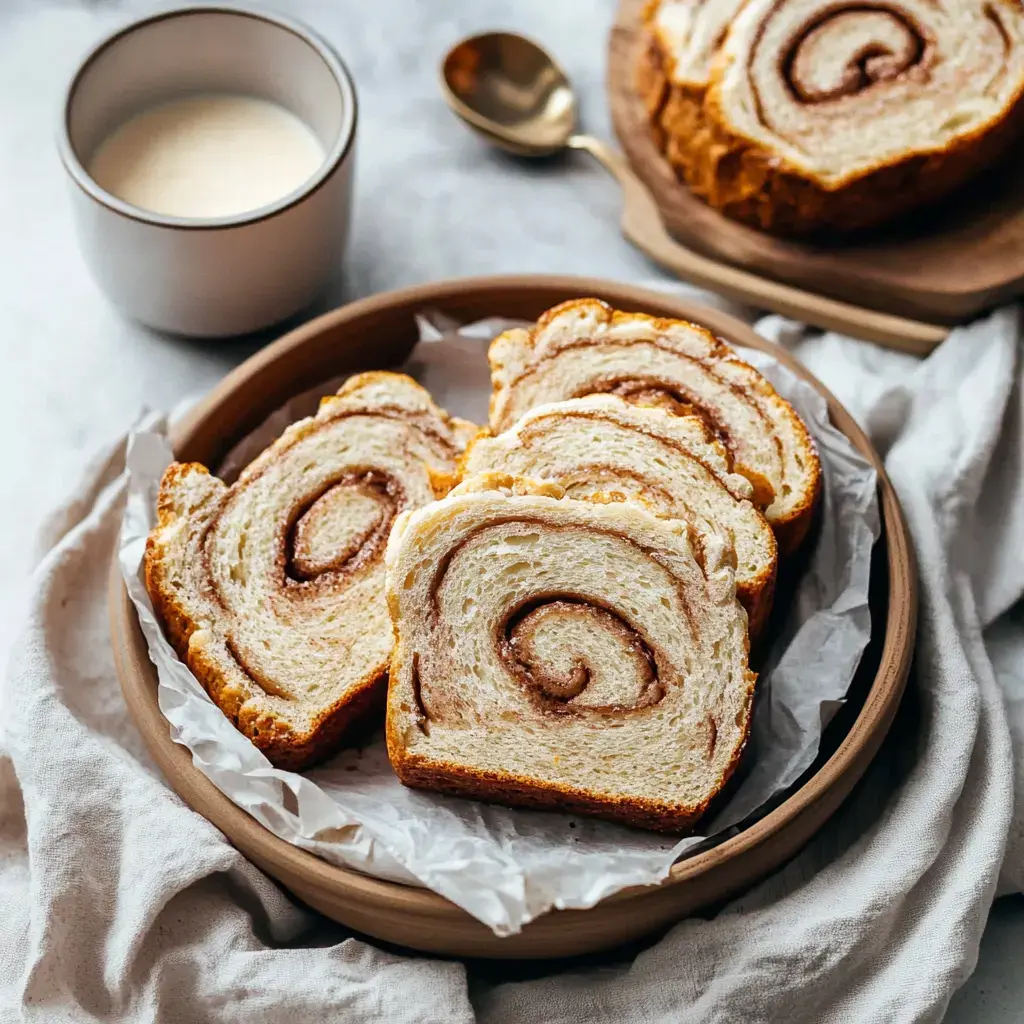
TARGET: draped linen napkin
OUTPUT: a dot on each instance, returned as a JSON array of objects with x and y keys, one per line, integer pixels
[{"x": 118, "y": 902}]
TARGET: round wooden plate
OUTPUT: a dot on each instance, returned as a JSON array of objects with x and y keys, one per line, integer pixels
[
  {"x": 944, "y": 264},
  {"x": 380, "y": 332}
]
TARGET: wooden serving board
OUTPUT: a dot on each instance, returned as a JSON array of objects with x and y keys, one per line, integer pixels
[
  {"x": 380, "y": 332},
  {"x": 944, "y": 264}
]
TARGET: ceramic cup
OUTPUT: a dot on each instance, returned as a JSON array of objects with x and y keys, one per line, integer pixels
[{"x": 212, "y": 277}]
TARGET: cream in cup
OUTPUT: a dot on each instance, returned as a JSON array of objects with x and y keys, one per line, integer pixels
[
  {"x": 210, "y": 155},
  {"x": 211, "y": 149}
]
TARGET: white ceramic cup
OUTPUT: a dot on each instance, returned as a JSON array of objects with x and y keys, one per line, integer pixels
[{"x": 212, "y": 277}]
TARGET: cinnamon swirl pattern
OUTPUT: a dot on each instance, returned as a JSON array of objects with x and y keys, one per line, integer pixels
[
  {"x": 800, "y": 117},
  {"x": 584, "y": 347},
  {"x": 559, "y": 653},
  {"x": 601, "y": 448},
  {"x": 272, "y": 590}
]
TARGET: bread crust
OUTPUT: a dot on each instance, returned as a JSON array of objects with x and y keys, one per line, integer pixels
[
  {"x": 419, "y": 772},
  {"x": 755, "y": 185}
]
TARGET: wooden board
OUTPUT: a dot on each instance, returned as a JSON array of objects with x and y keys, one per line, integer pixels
[
  {"x": 944, "y": 264},
  {"x": 380, "y": 331}
]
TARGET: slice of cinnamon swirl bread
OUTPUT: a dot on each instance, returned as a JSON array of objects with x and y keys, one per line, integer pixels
[
  {"x": 801, "y": 117},
  {"x": 585, "y": 347},
  {"x": 602, "y": 447},
  {"x": 272, "y": 589},
  {"x": 566, "y": 654}
]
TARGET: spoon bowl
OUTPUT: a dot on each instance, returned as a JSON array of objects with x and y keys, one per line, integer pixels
[{"x": 511, "y": 91}]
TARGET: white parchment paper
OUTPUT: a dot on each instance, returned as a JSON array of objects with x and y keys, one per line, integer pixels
[{"x": 506, "y": 866}]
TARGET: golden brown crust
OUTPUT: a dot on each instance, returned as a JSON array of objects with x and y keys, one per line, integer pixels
[
  {"x": 791, "y": 532},
  {"x": 757, "y": 595},
  {"x": 749, "y": 183}
]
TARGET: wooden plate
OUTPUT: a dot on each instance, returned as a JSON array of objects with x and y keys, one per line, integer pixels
[
  {"x": 379, "y": 332},
  {"x": 944, "y": 264}
]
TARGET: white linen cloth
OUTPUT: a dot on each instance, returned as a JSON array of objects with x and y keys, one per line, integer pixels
[
  {"x": 118, "y": 902},
  {"x": 124, "y": 904}
]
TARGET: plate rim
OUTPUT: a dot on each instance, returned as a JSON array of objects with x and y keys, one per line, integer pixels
[{"x": 138, "y": 677}]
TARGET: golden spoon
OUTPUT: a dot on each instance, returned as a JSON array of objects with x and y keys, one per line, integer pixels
[{"x": 514, "y": 94}]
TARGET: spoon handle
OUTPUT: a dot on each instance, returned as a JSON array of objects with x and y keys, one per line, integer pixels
[{"x": 643, "y": 226}]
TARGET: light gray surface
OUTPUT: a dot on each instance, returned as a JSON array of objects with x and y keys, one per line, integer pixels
[{"x": 74, "y": 373}]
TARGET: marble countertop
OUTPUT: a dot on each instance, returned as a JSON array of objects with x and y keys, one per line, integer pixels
[{"x": 431, "y": 202}]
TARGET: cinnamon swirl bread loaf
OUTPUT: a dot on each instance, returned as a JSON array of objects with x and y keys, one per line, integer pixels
[
  {"x": 272, "y": 590},
  {"x": 559, "y": 653},
  {"x": 584, "y": 347},
  {"x": 600, "y": 447},
  {"x": 799, "y": 117}
]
